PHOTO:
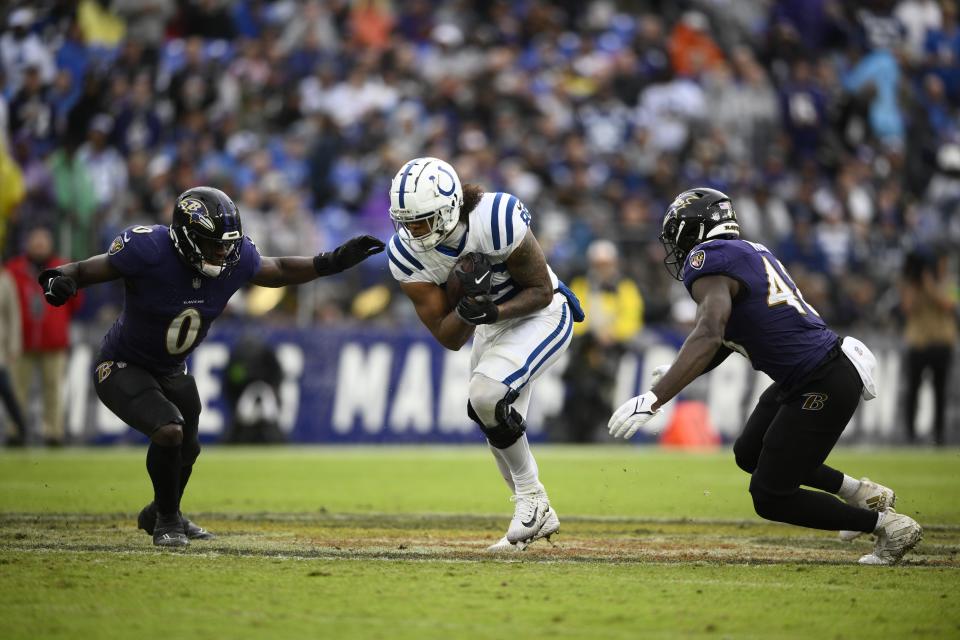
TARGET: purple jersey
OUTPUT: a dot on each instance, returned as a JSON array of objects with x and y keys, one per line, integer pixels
[
  {"x": 770, "y": 323},
  {"x": 168, "y": 306}
]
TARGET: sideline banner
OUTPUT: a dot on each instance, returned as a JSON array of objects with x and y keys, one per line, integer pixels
[{"x": 377, "y": 385}]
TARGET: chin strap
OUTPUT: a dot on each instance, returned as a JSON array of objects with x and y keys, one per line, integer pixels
[{"x": 218, "y": 268}]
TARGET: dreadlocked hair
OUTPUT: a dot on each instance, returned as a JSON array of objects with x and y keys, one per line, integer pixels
[{"x": 471, "y": 198}]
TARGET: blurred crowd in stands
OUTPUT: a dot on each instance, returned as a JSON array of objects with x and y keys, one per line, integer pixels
[{"x": 833, "y": 125}]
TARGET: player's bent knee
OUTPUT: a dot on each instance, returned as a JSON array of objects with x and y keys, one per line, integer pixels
[
  {"x": 510, "y": 425},
  {"x": 189, "y": 451},
  {"x": 472, "y": 414},
  {"x": 765, "y": 507},
  {"x": 485, "y": 393},
  {"x": 769, "y": 503},
  {"x": 745, "y": 460},
  {"x": 489, "y": 406},
  {"x": 169, "y": 435},
  {"x": 504, "y": 434},
  {"x": 771, "y": 507}
]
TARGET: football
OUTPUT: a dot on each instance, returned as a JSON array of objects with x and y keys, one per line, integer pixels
[{"x": 469, "y": 263}]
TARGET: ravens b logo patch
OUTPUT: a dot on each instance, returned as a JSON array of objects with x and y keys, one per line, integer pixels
[
  {"x": 696, "y": 260},
  {"x": 814, "y": 401},
  {"x": 104, "y": 370}
]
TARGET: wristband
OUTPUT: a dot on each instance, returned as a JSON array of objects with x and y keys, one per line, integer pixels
[{"x": 325, "y": 265}]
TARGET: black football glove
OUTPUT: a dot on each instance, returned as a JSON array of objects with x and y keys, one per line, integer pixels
[
  {"x": 350, "y": 253},
  {"x": 57, "y": 288},
  {"x": 477, "y": 282},
  {"x": 477, "y": 310}
]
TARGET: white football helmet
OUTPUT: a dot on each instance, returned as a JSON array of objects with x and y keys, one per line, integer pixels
[{"x": 425, "y": 190}]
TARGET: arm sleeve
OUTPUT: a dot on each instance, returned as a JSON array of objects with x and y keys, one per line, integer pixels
[{"x": 718, "y": 358}]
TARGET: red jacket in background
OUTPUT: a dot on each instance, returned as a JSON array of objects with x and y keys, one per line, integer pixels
[{"x": 45, "y": 328}]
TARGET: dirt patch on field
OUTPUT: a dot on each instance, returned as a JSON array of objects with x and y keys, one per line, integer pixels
[{"x": 465, "y": 538}]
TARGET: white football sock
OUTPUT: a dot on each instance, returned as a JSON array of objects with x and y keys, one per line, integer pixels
[
  {"x": 848, "y": 487},
  {"x": 881, "y": 516},
  {"x": 522, "y": 466},
  {"x": 503, "y": 467}
]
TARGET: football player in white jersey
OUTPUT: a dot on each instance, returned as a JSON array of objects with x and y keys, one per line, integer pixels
[{"x": 519, "y": 314}]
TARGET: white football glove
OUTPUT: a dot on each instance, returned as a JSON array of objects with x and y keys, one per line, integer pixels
[
  {"x": 632, "y": 415},
  {"x": 657, "y": 374}
]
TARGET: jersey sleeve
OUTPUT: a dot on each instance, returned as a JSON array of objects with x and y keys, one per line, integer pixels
[
  {"x": 404, "y": 264},
  {"x": 249, "y": 258},
  {"x": 135, "y": 250},
  {"x": 708, "y": 259},
  {"x": 507, "y": 226}
]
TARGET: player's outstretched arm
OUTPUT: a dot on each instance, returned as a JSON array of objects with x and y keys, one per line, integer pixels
[
  {"x": 287, "y": 270},
  {"x": 62, "y": 283},
  {"x": 717, "y": 360},
  {"x": 528, "y": 268},
  {"x": 704, "y": 346},
  {"x": 430, "y": 301}
]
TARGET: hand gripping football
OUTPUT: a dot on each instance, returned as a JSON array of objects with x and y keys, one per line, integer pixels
[{"x": 471, "y": 276}]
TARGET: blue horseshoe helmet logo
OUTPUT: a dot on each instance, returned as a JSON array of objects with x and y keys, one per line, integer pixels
[{"x": 453, "y": 183}]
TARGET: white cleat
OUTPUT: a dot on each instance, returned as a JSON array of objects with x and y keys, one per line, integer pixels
[
  {"x": 897, "y": 535},
  {"x": 872, "y": 496},
  {"x": 505, "y": 546},
  {"x": 533, "y": 518}
]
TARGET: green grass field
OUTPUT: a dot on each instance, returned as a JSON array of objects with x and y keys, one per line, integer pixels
[{"x": 389, "y": 543}]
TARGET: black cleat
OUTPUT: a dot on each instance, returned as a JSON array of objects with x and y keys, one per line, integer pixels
[
  {"x": 148, "y": 517},
  {"x": 168, "y": 532},
  {"x": 195, "y": 531}
]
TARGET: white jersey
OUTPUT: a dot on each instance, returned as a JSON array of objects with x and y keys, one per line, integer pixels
[
  {"x": 497, "y": 226},
  {"x": 516, "y": 351}
]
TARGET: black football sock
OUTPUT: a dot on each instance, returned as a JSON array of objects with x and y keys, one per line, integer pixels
[
  {"x": 825, "y": 478},
  {"x": 185, "y": 472},
  {"x": 163, "y": 465}
]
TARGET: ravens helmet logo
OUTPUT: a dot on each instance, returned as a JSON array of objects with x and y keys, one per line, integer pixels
[
  {"x": 197, "y": 213},
  {"x": 684, "y": 199},
  {"x": 694, "y": 216}
]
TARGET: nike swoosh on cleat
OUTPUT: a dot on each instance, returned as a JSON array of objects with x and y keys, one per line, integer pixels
[{"x": 532, "y": 520}]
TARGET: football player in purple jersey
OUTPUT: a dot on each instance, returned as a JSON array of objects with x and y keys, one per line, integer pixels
[
  {"x": 177, "y": 280},
  {"x": 747, "y": 302}
]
